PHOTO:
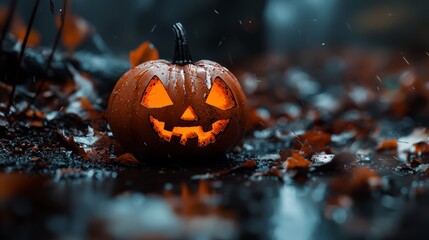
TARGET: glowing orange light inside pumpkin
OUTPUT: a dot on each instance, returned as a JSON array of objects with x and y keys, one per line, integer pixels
[
  {"x": 185, "y": 133},
  {"x": 220, "y": 95},
  {"x": 155, "y": 95},
  {"x": 189, "y": 115}
]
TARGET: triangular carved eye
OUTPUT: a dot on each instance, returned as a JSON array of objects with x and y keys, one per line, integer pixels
[
  {"x": 220, "y": 95},
  {"x": 155, "y": 95}
]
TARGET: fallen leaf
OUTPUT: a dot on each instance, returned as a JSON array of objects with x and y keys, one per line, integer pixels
[
  {"x": 145, "y": 52},
  {"x": 127, "y": 158},
  {"x": 418, "y": 153},
  {"x": 322, "y": 159},
  {"x": 388, "y": 145},
  {"x": 296, "y": 161},
  {"x": 76, "y": 30},
  {"x": 359, "y": 184},
  {"x": 93, "y": 146},
  {"x": 405, "y": 143},
  {"x": 312, "y": 142},
  {"x": 18, "y": 28},
  {"x": 34, "y": 38},
  {"x": 420, "y": 148},
  {"x": 258, "y": 118}
]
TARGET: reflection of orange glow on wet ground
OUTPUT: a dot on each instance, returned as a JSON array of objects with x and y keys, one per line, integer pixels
[
  {"x": 202, "y": 202},
  {"x": 182, "y": 212},
  {"x": 13, "y": 184},
  {"x": 204, "y": 138}
]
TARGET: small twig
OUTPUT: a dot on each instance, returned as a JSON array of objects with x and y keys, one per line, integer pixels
[
  {"x": 57, "y": 38},
  {"x": 21, "y": 56},
  {"x": 297, "y": 137},
  {"x": 51, "y": 55},
  {"x": 6, "y": 26}
]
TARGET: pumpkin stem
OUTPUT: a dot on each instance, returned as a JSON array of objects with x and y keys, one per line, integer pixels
[{"x": 182, "y": 55}]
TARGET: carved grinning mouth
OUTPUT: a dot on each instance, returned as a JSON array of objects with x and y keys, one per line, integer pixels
[{"x": 185, "y": 133}]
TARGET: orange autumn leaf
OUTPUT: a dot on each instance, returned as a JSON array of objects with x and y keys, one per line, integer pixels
[
  {"x": 359, "y": 183},
  {"x": 257, "y": 119},
  {"x": 204, "y": 189},
  {"x": 312, "y": 142},
  {"x": 76, "y": 30},
  {"x": 3, "y": 15},
  {"x": 296, "y": 160},
  {"x": 14, "y": 184},
  {"x": 127, "y": 158},
  {"x": 18, "y": 28},
  {"x": 388, "y": 145},
  {"x": 364, "y": 176},
  {"x": 420, "y": 148},
  {"x": 145, "y": 52},
  {"x": 33, "y": 38}
]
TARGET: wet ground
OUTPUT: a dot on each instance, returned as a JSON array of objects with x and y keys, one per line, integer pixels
[
  {"x": 53, "y": 193},
  {"x": 337, "y": 147}
]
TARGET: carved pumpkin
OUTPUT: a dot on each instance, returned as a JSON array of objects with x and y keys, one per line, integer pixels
[{"x": 178, "y": 109}]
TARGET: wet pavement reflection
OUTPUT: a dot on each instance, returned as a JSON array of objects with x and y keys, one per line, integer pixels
[{"x": 112, "y": 208}]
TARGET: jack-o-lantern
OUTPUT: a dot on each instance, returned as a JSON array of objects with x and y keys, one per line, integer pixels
[{"x": 178, "y": 109}]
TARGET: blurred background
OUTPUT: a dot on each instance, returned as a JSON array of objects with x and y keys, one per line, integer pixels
[{"x": 233, "y": 31}]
